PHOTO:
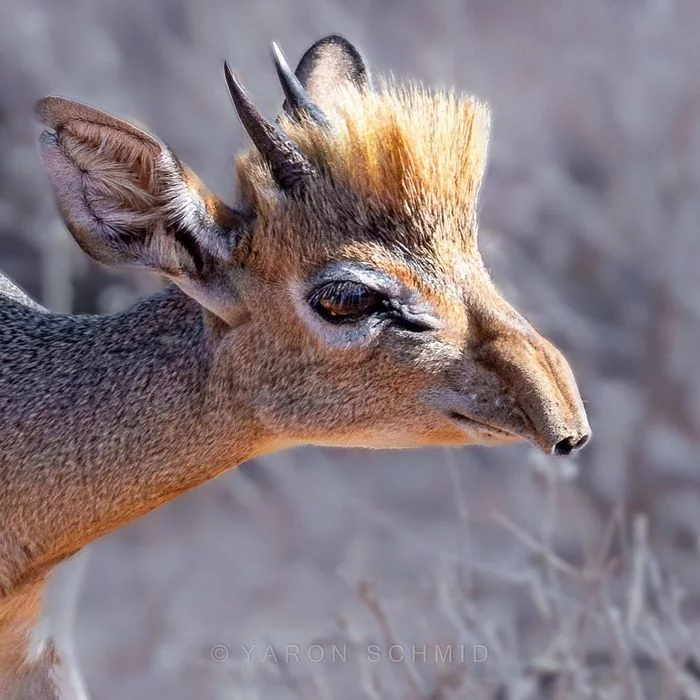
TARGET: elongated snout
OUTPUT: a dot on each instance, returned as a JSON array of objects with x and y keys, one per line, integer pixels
[
  {"x": 514, "y": 380},
  {"x": 545, "y": 405}
]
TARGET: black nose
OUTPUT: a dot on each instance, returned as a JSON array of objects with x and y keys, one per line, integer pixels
[{"x": 569, "y": 444}]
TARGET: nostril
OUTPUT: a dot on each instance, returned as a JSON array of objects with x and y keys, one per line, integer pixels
[{"x": 566, "y": 446}]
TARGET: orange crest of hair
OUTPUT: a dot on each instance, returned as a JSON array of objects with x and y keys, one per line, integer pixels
[{"x": 403, "y": 147}]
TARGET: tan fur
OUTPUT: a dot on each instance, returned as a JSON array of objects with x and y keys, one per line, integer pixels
[
  {"x": 25, "y": 676},
  {"x": 107, "y": 418},
  {"x": 407, "y": 148}
]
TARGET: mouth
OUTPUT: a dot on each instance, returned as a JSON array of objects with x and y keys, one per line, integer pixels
[
  {"x": 563, "y": 447},
  {"x": 491, "y": 430}
]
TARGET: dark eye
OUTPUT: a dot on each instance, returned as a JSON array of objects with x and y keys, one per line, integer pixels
[{"x": 345, "y": 301}]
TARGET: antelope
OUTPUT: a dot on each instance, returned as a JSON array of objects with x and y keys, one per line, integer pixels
[{"x": 342, "y": 301}]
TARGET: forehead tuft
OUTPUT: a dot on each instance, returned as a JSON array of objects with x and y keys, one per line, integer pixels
[{"x": 403, "y": 147}]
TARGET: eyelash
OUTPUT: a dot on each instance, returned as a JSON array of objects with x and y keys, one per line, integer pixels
[
  {"x": 328, "y": 301},
  {"x": 343, "y": 293}
]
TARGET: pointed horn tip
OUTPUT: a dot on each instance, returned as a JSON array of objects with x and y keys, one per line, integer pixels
[
  {"x": 281, "y": 63},
  {"x": 228, "y": 72},
  {"x": 298, "y": 99},
  {"x": 236, "y": 90},
  {"x": 231, "y": 76},
  {"x": 278, "y": 54}
]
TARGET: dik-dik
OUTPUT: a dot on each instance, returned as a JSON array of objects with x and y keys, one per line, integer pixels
[{"x": 341, "y": 301}]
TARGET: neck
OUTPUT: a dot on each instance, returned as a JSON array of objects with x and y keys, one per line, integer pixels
[{"x": 104, "y": 419}]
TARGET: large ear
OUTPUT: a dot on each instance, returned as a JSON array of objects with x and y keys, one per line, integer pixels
[
  {"x": 128, "y": 201},
  {"x": 330, "y": 63}
]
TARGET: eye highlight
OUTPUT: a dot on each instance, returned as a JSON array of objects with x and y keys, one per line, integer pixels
[{"x": 345, "y": 301}]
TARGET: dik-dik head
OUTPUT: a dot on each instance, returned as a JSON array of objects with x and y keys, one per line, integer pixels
[{"x": 351, "y": 304}]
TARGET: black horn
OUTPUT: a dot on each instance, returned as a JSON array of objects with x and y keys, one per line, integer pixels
[
  {"x": 290, "y": 167},
  {"x": 298, "y": 99}
]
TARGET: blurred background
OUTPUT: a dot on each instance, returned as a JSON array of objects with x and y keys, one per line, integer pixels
[{"x": 579, "y": 578}]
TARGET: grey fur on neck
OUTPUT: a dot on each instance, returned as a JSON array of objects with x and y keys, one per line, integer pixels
[
  {"x": 103, "y": 419},
  {"x": 82, "y": 397}
]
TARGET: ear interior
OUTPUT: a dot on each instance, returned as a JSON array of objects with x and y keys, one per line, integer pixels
[
  {"x": 329, "y": 63},
  {"x": 128, "y": 200},
  {"x": 104, "y": 179}
]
